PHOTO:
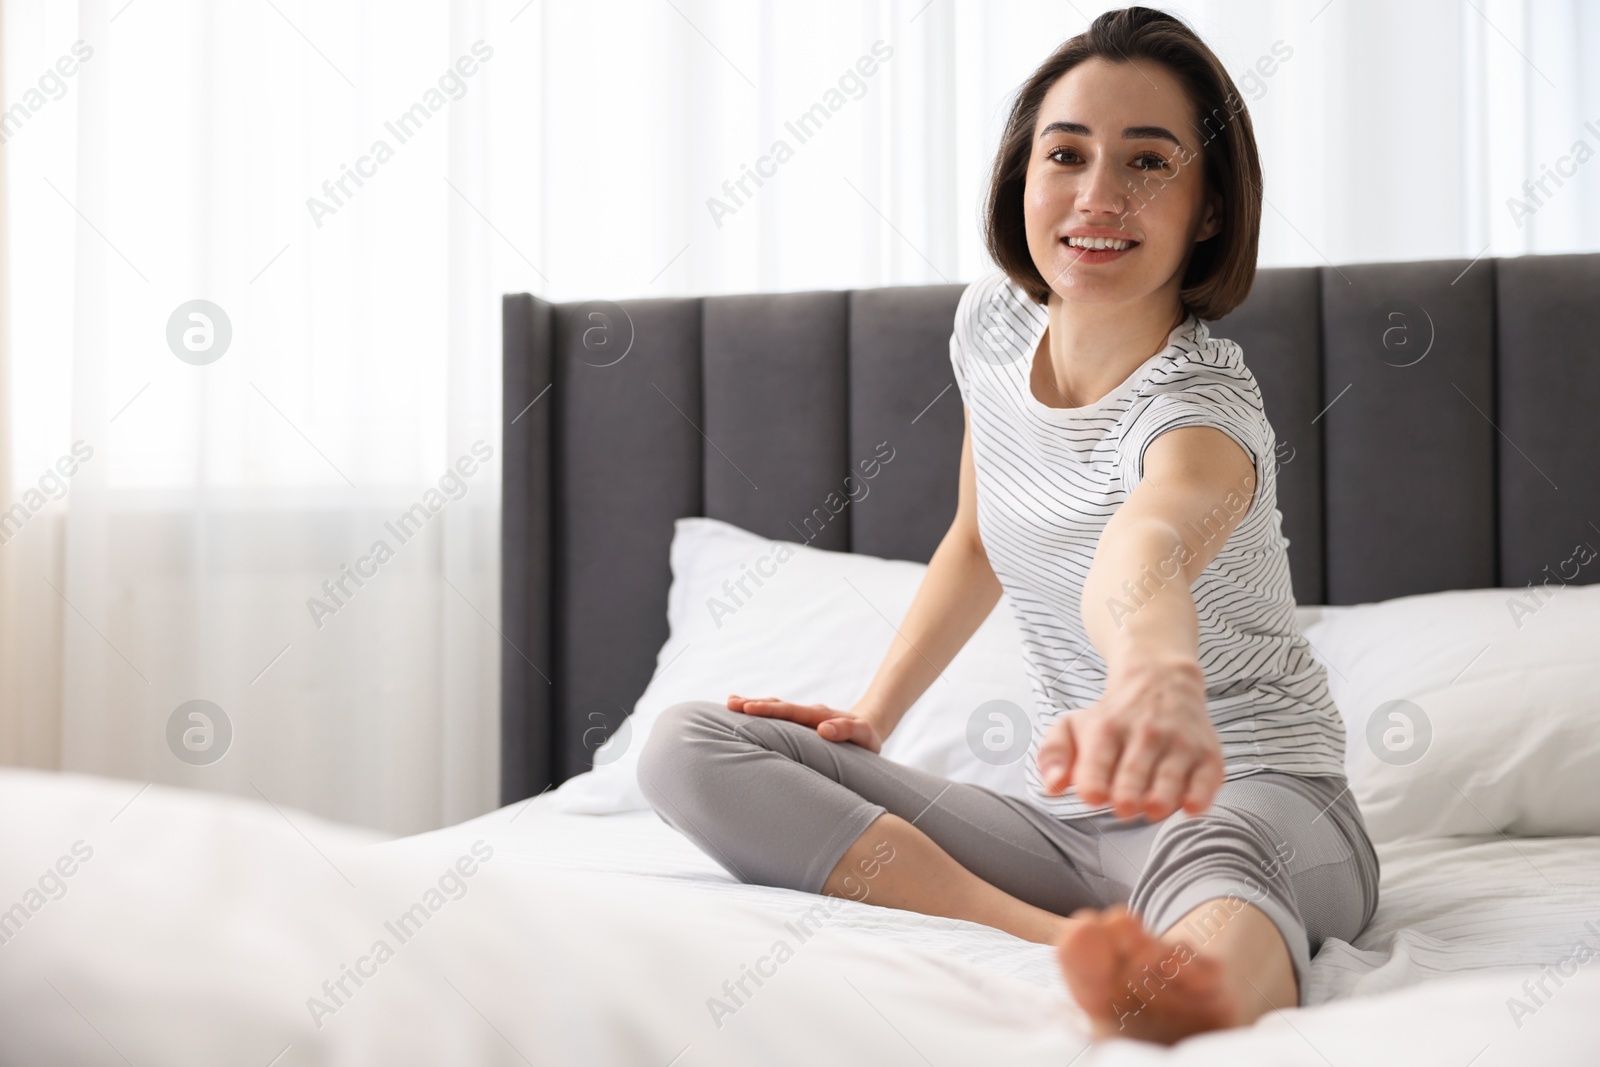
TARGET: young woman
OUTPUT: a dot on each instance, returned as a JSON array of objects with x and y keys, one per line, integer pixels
[{"x": 1189, "y": 838}]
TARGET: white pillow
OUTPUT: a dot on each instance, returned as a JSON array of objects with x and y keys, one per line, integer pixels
[
  {"x": 813, "y": 629},
  {"x": 1500, "y": 725}
]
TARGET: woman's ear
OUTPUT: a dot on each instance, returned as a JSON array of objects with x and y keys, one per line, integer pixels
[{"x": 1211, "y": 220}]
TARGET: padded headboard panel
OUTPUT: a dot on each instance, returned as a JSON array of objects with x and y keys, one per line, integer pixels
[{"x": 1437, "y": 426}]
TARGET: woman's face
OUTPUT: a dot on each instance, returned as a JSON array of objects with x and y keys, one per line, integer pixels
[{"x": 1115, "y": 153}]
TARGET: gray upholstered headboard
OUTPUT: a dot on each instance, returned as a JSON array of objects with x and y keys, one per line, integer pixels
[{"x": 1438, "y": 426}]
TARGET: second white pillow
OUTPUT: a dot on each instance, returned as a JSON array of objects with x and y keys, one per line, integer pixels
[{"x": 1470, "y": 711}]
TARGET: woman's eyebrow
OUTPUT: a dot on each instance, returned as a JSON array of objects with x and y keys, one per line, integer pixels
[{"x": 1132, "y": 133}]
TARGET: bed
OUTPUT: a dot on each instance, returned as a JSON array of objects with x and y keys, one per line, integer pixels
[
  {"x": 1434, "y": 434},
  {"x": 219, "y": 925},
  {"x": 202, "y": 929}
]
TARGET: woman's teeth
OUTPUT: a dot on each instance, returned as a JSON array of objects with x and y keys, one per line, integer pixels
[{"x": 1099, "y": 243}]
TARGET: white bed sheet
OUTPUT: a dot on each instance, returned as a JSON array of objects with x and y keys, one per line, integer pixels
[
  {"x": 204, "y": 926},
  {"x": 1495, "y": 908}
]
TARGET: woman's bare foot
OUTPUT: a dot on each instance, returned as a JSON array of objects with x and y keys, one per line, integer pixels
[{"x": 1133, "y": 984}]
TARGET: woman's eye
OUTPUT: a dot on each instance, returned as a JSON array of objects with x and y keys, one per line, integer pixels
[{"x": 1143, "y": 161}]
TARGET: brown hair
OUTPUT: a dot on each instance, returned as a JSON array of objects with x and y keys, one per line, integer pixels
[{"x": 1221, "y": 269}]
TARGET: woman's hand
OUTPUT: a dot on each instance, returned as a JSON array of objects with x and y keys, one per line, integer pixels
[
  {"x": 1147, "y": 745},
  {"x": 830, "y": 723}
]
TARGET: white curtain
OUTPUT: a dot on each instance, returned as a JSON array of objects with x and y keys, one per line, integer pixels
[{"x": 354, "y": 184}]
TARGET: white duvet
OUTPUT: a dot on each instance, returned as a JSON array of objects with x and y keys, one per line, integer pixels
[{"x": 195, "y": 929}]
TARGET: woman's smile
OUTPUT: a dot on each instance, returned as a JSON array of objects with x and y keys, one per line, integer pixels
[{"x": 1101, "y": 251}]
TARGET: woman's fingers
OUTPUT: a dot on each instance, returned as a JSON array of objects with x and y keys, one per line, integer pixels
[
  {"x": 777, "y": 709},
  {"x": 740, "y": 703},
  {"x": 1203, "y": 784},
  {"x": 1056, "y": 753},
  {"x": 849, "y": 728},
  {"x": 1168, "y": 785},
  {"x": 1130, "y": 785},
  {"x": 773, "y": 708},
  {"x": 830, "y": 723},
  {"x": 756, "y": 705},
  {"x": 1100, "y": 749}
]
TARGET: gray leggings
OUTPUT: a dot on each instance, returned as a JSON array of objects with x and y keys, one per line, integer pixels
[{"x": 776, "y": 804}]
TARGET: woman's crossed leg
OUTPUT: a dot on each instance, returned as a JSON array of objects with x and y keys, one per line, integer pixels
[{"x": 1163, "y": 929}]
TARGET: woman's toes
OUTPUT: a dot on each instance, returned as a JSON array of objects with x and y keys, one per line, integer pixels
[
  {"x": 1088, "y": 958},
  {"x": 1131, "y": 983},
  {"x": 1127, "y": 933}
]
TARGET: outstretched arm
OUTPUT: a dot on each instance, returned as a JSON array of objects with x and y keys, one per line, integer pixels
[{"x": 1147, "y": 745}]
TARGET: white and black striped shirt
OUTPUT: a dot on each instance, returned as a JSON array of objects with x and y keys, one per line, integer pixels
[{"x": 1048, "y": 479}]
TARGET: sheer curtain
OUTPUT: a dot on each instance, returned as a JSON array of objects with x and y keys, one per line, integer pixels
[{"x": 257, "y": 251}]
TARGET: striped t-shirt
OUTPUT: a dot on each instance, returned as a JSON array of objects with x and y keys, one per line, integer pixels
[{"x": 1048, "y": 479}]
